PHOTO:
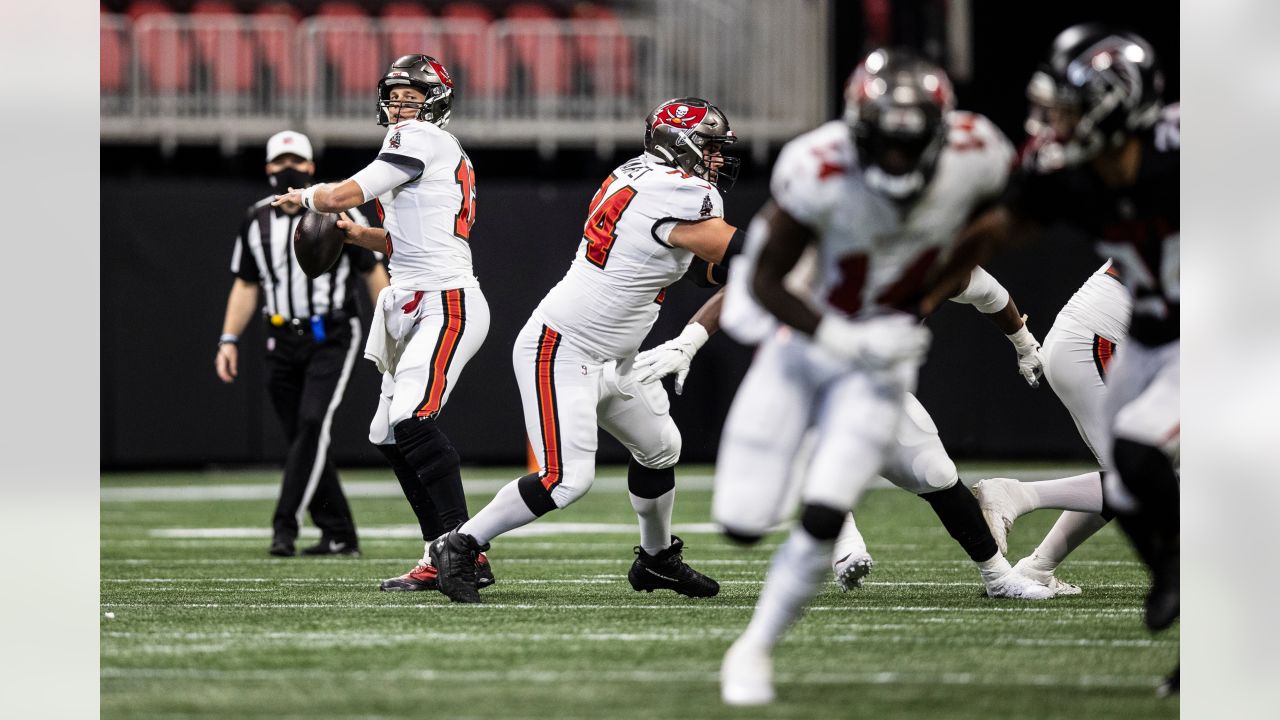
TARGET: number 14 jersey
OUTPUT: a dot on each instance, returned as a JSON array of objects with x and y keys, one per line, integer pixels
[{"x": 609, "y": 299}]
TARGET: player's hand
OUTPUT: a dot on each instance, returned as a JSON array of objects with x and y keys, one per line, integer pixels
[
  {"x": 226, "y": 362},
  {"x": 672, "y": 356},
  {"x": 351, "y": 228},
  {"x": 876, "y": 342},
  {"x": 291, "y": 200},
  {"x": 1030, "y": 362}
]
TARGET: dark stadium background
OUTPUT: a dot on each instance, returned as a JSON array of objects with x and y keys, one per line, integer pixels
[{"x": 168, "y": 221}]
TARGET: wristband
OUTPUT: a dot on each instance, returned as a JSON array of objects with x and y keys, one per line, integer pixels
[
  {"x": 228, "y": 339},
  {"x": 309, "y": 197},
  {"x": 1023, "y": 340},
  {"x": 695, "y": 335}
]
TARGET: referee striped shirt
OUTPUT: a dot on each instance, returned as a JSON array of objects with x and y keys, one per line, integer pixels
[{"x": 264, "y": 254}]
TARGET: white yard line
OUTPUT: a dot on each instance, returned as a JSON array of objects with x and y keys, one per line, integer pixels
[
  {"x": 414, "y": 532},
  {"x": 540, "y": 676},
  {"x": 997, "y": 606},
  {"x": 762, "y": 560},
  {"x": 597, "y": 580}
]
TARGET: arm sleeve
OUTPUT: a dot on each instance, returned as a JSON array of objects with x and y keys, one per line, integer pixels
[
  {"x": 983, "y": 292},
  {"x": 381, "y": 177}
]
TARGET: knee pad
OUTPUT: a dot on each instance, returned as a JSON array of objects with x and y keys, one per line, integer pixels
[
  {"x": 821, "y": 521},
  {"x": 425, "y": 447},
  {"x": 741, "y": 538},
  {"x": 650, "y": 483},
  {"x": 667, "y": 454},
  {"x": 536, "y": 497}
]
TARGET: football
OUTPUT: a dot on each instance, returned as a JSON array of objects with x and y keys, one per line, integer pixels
[{"x": 317, "y": 243}]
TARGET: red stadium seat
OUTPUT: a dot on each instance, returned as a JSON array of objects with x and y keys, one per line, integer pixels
[
  {"x": 540, "y": 48},
  {"x": 164, "y": 51},
  {"x": 352, "y": 50},
  {"x": 276, "y": 45},
  {"x": 224, "y": 47},
  {"x": 408, "y": 29},
  {"x": 607, "y": 52},
  {"x": 113, "y": 58},
  {"x": 467, "y": 53}
]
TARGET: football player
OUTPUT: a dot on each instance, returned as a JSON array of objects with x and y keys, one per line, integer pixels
[
  {"x": 894, "y": 197},
  {"x": 573, "y": 360},
  {"x": 433, "y": 318},
  {"x": 1104, "y": 158}
]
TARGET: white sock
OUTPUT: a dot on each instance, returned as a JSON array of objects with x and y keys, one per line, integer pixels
[
  {"x": 1078, "y": 492},
  {"x": 506, "y": 511},
  {"x": 993, "y": 568},
  {"x": 794, "y": 577},
  {"x": 1071, "y": 529},
  {"x": 850, "y": 540},
  {"x": 655, "y": 520}
]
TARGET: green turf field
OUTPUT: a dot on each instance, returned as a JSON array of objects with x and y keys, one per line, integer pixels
[{"x": 206, "y": 624}]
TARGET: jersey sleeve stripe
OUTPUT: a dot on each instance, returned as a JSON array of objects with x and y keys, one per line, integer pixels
[{"x": 404, "y": 162}]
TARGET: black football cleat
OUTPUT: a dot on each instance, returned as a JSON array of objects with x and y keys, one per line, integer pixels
[
  {"x": 484, "y": 572},
  {"x": 333, "y": 547},
  {"x": 282, "y": 548},
  {"x": 1163, "y": 601},
  {"x": 1169, "y": 687},
  {"x": 667, "y": 571},
  {"x": 455, "y": 555}
]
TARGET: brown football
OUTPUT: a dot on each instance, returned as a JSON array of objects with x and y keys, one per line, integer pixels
[{"x": 317, "y": 243}]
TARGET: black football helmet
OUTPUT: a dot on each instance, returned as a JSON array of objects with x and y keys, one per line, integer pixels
[
  {"x": 425, "y": 74},
  {"x": 687, "y": 133},
  {"x": 896, "y": 104},
  {"x": 1098, "y": 87}
]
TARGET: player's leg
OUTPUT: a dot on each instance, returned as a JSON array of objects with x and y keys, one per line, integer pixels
[
  {"x": 918, "y": 462},
  {"x": 638, "y": 415},
  {"x": 284, "y": 383},
  {"x": 559, "y": 389},
  {"x": 451, "y": 329},
  {"x": 855, "y": 420},
  {"x": 1145, "y": 399},
  {"x": 327, "y": 371}
]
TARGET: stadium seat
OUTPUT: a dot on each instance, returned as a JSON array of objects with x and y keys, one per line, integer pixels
[
  {"x": 223, "y": 47},
  {"x": 539, "y": 47},
  {"x": 351, "y": 48},
  {"x": 113, "y": 57},
  {"x": 467, "y": 53},
  {"x": 163, "y": 49},
  {"x": 276, "y": 45},
  {"x": 408, "y": 28},
  {"x": 604, "y": 50}
]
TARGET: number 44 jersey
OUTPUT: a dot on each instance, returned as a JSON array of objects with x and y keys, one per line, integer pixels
[
  {"x": 609, "y": 299},
  {"x": 874, "y": 253}
]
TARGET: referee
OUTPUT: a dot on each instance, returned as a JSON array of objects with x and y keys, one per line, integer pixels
[{"x": 313, "y": 338}]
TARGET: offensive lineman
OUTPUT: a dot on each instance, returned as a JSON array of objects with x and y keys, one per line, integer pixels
[
  {"x": 433, "y": 317},
  {"x": 573, "y": 359},
  {"x": 886, "y": 195}
]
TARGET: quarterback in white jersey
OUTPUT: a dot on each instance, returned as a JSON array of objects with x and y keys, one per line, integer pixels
[
  {"x": 573, "y": 359},
  {"x": 433, "y": 318},
  {"x": 887, "y": 196}
]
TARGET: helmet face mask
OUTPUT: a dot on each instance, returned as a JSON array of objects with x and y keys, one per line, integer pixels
[
  {"x": 424, "y": 74},
  {"x": 896, "y": 106},
  {"x": 691, "y": 134},
  {"x": 1098, "y": 88}
]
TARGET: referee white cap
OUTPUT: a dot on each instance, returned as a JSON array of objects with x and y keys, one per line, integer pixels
[{"x": 288, "y": 141}]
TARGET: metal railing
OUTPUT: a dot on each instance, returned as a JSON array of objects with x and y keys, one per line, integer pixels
[{"x": 541, "y": 83}]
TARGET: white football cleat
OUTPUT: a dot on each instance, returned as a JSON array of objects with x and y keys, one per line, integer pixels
[
  {"x": 746, "y": 675},
  {"x": 1017, "y": 586},
  {"x": 1026, "y": 566},
  {"x": 852, "y": 568},
  {"x": 999, "y": 507}
]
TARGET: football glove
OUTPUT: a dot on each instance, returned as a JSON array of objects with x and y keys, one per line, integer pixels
[
  {"x": 1030, "y": 363},
  {"x": 672, "y": 356}
]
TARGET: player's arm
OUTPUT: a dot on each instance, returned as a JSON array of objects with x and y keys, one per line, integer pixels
[
  {"x": 676, "y": 354},
  {"x": 990, "y": 298},
  {"x": 785, "y": 241},
  {"x": 241, "y": 302},
  {"x": 709, "y": 239},
  {"x": 369, "y": 238},
  {"x": 379, "y": 177}
]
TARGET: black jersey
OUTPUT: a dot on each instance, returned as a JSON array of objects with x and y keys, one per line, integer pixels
[{"x": 1137, "y": 226}]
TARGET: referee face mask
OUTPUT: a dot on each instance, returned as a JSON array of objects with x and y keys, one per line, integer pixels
[{"x": 289, "y": 177}]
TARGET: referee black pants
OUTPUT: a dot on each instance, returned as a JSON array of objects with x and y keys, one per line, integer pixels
[{"x": 306, "y": 380}]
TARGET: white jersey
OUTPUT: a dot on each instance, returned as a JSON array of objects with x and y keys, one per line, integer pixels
[
  {"x": 430, "y": 215},
  {"x": 871, "y": 256},
  {"x": 609, "y": 299},
  {"x": 1102, "y": 305}
]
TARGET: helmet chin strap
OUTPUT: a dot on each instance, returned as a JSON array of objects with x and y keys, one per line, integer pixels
[{"x": 896, "y": 187}]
